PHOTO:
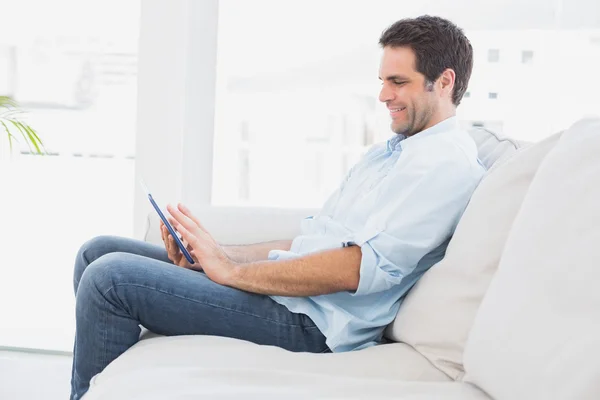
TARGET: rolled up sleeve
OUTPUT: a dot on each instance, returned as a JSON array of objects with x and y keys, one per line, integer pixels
[{"x": 418, "y": 208}]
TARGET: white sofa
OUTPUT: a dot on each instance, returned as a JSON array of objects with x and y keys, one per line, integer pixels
[{"x": 511, "y": 312}]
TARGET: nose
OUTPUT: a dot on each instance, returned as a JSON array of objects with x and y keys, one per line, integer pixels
[{"x": 385, "y": 95}]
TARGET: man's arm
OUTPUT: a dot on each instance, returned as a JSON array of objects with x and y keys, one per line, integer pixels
[
  {"x": 314, "y": 274},
  {"x": 318, "y": 273},
  {"x": 255, "y": 252}
]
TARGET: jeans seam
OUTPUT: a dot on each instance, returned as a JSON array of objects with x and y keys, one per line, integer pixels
[
  {"x": 105, "y": 331},
  {"x": 212, "y": 305},
  {"x": 86, "y": 263}
]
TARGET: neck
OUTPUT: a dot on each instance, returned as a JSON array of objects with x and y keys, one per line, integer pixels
[{"x": 441, "y": 115}]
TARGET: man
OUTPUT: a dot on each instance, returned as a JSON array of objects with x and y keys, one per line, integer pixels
[{"x": 340, "y": 282}]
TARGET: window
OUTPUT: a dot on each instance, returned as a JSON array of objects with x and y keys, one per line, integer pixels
[
  {"x": 527, "y": 56},
  {"x": 76, "y": 76},
  {"x": 314, "y": 91},
  {"x": 493, "y": 55}
]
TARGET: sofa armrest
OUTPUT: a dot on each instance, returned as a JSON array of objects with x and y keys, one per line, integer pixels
[{"x": 240, "y": 225}]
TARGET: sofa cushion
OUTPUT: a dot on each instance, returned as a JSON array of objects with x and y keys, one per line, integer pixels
[
  {"x": 186, "y": 367},
  {"x": 393, "y": 360},
  {"x": 438, "y": 312},
  {"x": 537, "y": 332}
]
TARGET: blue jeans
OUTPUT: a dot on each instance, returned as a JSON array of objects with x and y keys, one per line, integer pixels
[{"x": 122, "y": 283}]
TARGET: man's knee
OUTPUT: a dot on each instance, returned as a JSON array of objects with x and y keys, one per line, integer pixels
[
  {"x": 89, "y": 252},
  {"x": 95, "y": 283},
  {"x": 105, "y": 273},
  {"x": 95, "y": 248}
]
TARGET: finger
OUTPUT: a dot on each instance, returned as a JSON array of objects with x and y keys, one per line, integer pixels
[
  {"x": 167, "y": 235},
  {"x": 185, "y": 234},
  {"x": 173, "y": 242},
  {"x": 194, "y": 257},
  {"x": 163, "y": 232},
  {"x": 183, "y": 220},
  {"x": 175, "y": 246},
  {"x": 174, "y": 251},
  {"x": 170, "y": 243},
  {"x": 186, "y": 211},
  {"x": 173, "y": 223}
]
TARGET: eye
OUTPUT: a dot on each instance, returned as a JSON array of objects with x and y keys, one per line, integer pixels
[{"x": 399, "y": 83}]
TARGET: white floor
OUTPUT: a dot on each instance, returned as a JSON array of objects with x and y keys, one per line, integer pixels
[{"x": 27, "y": 376}]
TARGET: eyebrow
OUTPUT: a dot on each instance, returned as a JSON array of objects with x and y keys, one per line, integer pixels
[{"x": 395, "y": 78}]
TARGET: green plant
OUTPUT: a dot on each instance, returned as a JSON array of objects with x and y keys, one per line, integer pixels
[{"x": 14, "y": 127}]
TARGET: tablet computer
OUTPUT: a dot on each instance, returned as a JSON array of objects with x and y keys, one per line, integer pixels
[{"x": 172, "y": 231}]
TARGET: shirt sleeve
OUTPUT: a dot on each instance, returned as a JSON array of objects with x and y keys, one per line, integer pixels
[{"x": 418, "y": 206}]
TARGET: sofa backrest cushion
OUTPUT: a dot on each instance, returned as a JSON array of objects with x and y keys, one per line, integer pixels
[
  {"x": 537, "y": 332},
  {"x": 493, "y": 147},
  {"x": 240, "y": 225}
]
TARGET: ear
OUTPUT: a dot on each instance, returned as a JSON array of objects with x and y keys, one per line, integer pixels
[{"x": 446, "y": 81}]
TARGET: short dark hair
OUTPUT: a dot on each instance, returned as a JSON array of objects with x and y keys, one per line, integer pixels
[{"x": 438, "y": 44}]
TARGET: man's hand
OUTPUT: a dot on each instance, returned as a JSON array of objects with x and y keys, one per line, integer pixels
[
  {"x": 173, "y": 251},
  {"x": 204, "y": 249}
]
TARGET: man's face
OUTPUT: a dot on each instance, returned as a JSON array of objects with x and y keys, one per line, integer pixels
[{"x": 411, "y": 102}]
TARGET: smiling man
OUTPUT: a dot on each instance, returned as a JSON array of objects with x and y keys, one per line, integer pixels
[{"x": 338, "y": 284}]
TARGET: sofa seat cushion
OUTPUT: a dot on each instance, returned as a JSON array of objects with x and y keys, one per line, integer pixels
[
  {"x": 390, "y": 361},
  {"x": 186, "y": 367}
]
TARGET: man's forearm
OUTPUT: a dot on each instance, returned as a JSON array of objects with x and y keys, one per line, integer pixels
[
  {"x": 255, "y": 252},
  {"x": 314, "y": 274}
]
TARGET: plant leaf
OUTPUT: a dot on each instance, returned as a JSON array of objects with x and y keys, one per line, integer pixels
[
  {"x": 11, "y": 112},
  {"x": 10, "y": 115},
  {"x": 7, "y": 102},
  {"x": 35, "y": 139},
  {"x": 5, "y": 127},
  {"x": 10, "y": 135},
  {"x": 31, "y": 138},
  {"x": 10, "y": 143},
  {"x": 18, "y": 125}
]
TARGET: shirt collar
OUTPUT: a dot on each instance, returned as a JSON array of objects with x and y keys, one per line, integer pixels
[{"x": 399, "y": 140}]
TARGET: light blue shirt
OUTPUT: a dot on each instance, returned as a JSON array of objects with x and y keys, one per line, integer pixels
[{"x": 400, "y": 204}]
